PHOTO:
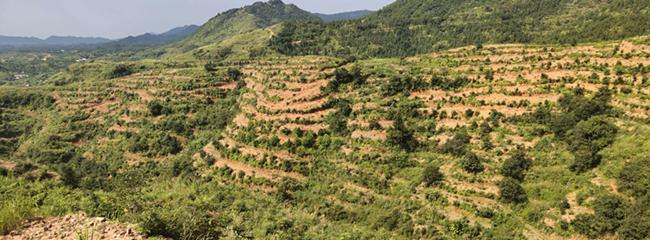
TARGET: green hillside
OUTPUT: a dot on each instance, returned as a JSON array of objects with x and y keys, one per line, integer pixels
[
  {"x": 409, "y": 27},
  {"x": 226, "y": 135},
  {"x": 243, "y": 20}
]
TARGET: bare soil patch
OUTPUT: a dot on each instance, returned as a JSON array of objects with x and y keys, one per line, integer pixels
[{"x": 575, "y": 208}]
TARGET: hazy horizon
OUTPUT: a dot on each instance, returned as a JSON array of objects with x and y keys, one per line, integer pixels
[{"x": 121, "y": 18}]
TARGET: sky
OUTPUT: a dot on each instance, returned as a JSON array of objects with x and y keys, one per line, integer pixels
[{"x": 121, "y": 18}]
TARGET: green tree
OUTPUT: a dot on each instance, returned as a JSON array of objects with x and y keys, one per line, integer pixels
[
  {"x": 589, "y": 225},
  {"x": 511, "y": 191},
  {"x": 471, "y": 163},
  {"x": 587, "y": 139},
  {"x": 234, "y": 74},
  {"x": 399, "y": 135},
  {"x": 431, "y": 175},
  {"x": 457, "y": 145},
  {"x": 516, "y": 166},
  {"x": 634, "y": 178},
  {"x": 611, "y": 208}
]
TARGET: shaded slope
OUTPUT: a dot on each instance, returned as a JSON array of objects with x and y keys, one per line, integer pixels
[
  {"x": 343, "y": 16},
  {"x": 155, "y": 39}
]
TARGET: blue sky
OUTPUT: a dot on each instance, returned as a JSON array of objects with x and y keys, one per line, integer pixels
[{"x": 120, "y": 18}]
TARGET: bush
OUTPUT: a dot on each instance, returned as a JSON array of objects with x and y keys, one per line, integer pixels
[
  {"x": 400, "y": 84},
  {"x": 338, "y": 123},
  {"x": 587, "y": 139},
  {"x": 431, "y": 175},
  {"x": 155, "y": 144},
  {"x": 584, "y": 160},
  {"x": 634, "y": 178},
  {"x": 464, "y": 228},
  {"x": 401, "y": 136},
  {"x": 15, "y": 99},
  {"x": 287, "y": 186},
  {"x": 394, "y": 221},
  {"x": 471, "y": 163},
  {"x": 157, "y": 108},
  {"x": 516, "y": 166},
  {"x": 234, "y": 74},
  {"x": 343, "y": 76},
  {"x": 594, "y": 134},
  {"x": 457, "y": 145},
  {"x": 399, "y": 160},
  {"x": 588, "y": 225},
  {"x": 511, "y": 191},
  {"x": 181, "y": 224},
  {"x": 634, "y": 227},
  {"x": 611, "y": 208},
  {"x": 210, "y": 67},
  {"x": 121, "y": 70}
]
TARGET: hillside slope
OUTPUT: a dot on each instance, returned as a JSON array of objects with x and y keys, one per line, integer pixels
[
  {"x": 504, "y": 142},
  {"x": 243, "y": 20},
  {"x": 409, "y": 27}
]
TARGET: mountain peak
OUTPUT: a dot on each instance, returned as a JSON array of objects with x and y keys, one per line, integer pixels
[
  {"x": 245, "y": 19},
  {"x": 276, "y": 2}
]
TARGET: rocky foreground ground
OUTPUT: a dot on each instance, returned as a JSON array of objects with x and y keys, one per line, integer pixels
[{"x": 76, "y": 226}]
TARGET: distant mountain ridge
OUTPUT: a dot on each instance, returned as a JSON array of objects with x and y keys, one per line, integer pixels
[
  {"x": 50, "y": 41},
  {"x": 343, "y": 15},
  {"x": 156, "y": 39}
]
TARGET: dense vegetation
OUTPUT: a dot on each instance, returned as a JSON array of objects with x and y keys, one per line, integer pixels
[{"x": 408, "y": 27}]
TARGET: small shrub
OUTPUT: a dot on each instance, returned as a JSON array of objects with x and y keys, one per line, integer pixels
[
  {"x": 516, "y": 166},
  {"x": 431, "y": 175},
  {"x": 471, "y": 163},
  {"x": 457, "y": 145},
  {"x": 511, "y": 191}
]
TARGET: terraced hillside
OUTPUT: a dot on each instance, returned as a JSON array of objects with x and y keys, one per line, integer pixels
[{"x": 497, "y": 142}]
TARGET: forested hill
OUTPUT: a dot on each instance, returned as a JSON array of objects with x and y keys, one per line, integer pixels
[
  {"x": 242, "y": 20},
  {"x": 343, "y": 16},
  {"x": 409, "y": 27}
]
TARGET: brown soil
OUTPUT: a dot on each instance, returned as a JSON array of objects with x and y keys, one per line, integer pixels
[
  {"x": 7, "y": 165},
  {"x": 229, "y": 86},
  {"x": 145, "y": 95},
  {"x": 575, "y": 208},
  {"x": 602, "y": 181},
  {"x": 372, "y": 134}
]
